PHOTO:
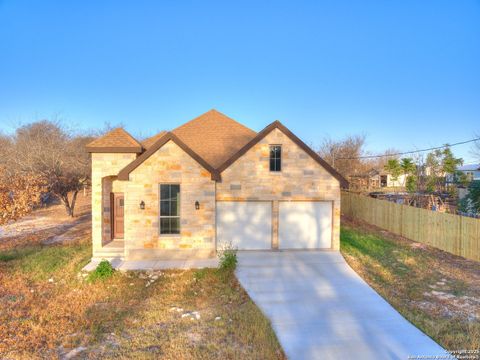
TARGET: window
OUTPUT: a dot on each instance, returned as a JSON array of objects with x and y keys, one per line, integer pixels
[
  {"x": 275, "y": 158},
  {"x": 169, "y": 209}
]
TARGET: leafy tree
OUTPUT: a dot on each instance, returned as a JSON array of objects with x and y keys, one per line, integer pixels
[
  {"x": 408, "y": 169},
  {"x": 411, "y": 183},
  {"x": 394, "y": 168},
  {"x": 439, "y": 164},
  {"x": 471, "y": 202},
  {"x": 408, "y": 166},
  {"x": 449, "y": 162},
  {"x": 474, "y": 195}
]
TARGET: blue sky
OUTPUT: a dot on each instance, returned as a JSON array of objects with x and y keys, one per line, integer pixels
[{"x": 405, "y": 73}]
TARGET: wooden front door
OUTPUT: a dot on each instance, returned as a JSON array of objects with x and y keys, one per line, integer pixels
[{"x": 117, "y": 215}]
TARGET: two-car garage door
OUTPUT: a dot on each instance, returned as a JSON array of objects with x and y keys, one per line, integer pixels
[{"x": 247, "y": 225}]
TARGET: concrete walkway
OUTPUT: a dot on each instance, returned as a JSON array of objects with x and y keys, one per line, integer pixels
[{"x": 321, "y": 309}]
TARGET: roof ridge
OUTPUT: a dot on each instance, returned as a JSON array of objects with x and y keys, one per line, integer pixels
[
  {"x": 213, "y": 110},
  {"x": 116, "y": 140}
]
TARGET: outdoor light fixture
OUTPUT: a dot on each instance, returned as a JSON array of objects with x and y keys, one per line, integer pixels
[
  {"x": 197, "y": 205},
  {"x": 142, "y": 205}
]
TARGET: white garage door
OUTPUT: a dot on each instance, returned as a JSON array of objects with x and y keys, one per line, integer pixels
[
  {"x": 247, "y": 225},
  {"x": 305, "y": 225}
]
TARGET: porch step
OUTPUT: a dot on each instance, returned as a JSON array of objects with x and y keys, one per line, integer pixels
[
  {"x": 108, "y": 256},
  {"x": 109, "y": 253}
]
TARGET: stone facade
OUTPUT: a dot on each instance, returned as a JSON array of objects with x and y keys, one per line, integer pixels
[
  {"x": 301, "y": 178},
  {"x": 169, "y": 165},
  {"x": 105, "y": 167},
  {"x": 247, "y": 179}
]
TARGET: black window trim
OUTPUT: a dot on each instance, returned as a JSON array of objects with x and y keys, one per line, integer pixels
[
  {"x": 169, "y": 216},
  {"x": 270, "y": 158}
]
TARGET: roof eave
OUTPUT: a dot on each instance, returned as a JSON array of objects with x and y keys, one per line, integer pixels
[{"x": 113, "y": 149}]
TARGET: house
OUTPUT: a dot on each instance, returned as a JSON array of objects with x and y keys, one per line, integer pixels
[
  {"x": 387, "y": 180},
  {"x": 210, "y": 183},
  {"x": 365, "y": 181},
  {"x": 471, "y": 171},
  {"x": 375, "y": 179}
]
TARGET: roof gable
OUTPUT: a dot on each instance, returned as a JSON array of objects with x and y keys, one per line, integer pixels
[
  {"x": 291, "y": 136},
  {"x": 214, "y": 136},
  {"x": 117, "y": 140},
  {"x": 125, "y": 172}
]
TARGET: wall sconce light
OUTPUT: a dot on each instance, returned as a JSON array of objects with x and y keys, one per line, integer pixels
[
  {"x": 197, "y": 205},
  {"x": 142, "y": 205}
]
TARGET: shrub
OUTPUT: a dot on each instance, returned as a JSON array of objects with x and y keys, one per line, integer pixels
[
  {"x": 228, "y": 258},
  {"x": 103, "y": 271}
]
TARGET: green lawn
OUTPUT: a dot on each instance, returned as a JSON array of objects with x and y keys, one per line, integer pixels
[
  {"x": 436, "y": 291},
  {"x": 47, "y": 308}
]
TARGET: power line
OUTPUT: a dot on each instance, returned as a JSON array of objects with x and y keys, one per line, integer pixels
[{"x": 408, "y": 152}]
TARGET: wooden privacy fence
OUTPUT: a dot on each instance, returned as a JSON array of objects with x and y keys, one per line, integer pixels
[{"x": 456, "y": 234}]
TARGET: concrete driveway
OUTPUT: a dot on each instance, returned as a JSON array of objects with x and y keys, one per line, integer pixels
[{"x": 321, "y": 309}]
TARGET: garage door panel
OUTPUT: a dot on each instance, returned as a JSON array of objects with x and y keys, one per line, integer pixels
[
  {"x": 305, "y": 225},
  {"x": 246, "y": 225}
]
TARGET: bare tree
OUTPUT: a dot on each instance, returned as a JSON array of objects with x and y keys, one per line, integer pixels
[
  {"x": 55, "y": 154},
  {"x": 6, "y": 145},
  {"x": 344, "y": 154}
]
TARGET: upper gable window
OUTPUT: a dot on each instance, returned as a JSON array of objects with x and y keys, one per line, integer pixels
[{"x": 275, "y": 158}]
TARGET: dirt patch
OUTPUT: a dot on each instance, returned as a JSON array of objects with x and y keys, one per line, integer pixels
[{"x": 48, "y": 226}]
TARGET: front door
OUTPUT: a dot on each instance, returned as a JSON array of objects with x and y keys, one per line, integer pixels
[{"x": 117, "y": 215}]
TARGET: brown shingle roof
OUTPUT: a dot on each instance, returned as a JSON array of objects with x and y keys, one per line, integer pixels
[
  {"x": 151, "y": 140},
  {"x": 216, "y": 141},
  {"x": 214, "y": 136},
  {"x": 117, "y": 140}
]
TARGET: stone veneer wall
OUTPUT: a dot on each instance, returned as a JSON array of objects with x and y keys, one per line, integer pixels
[
  {"x": 105, "y": 166},
  {"x": 248, "y": 178},
  {"x": 170, "y": 165},
  {"x": 301, "y": 178}
]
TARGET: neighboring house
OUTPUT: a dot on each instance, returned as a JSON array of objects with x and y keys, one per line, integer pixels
[
  {"x": 472, "y": 172},
  {"x": 210, "y": 182},
  {"x": 366, "y": 181},
  {"x": 374, "y": 179},
  {"x": 386, "y": 180}
]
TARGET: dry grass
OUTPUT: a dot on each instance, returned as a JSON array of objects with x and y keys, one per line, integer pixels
[
  {"x": 437, "y": 291},
  {"x": 47, "y": 309},
  {"x": 229, "y": 325}
]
